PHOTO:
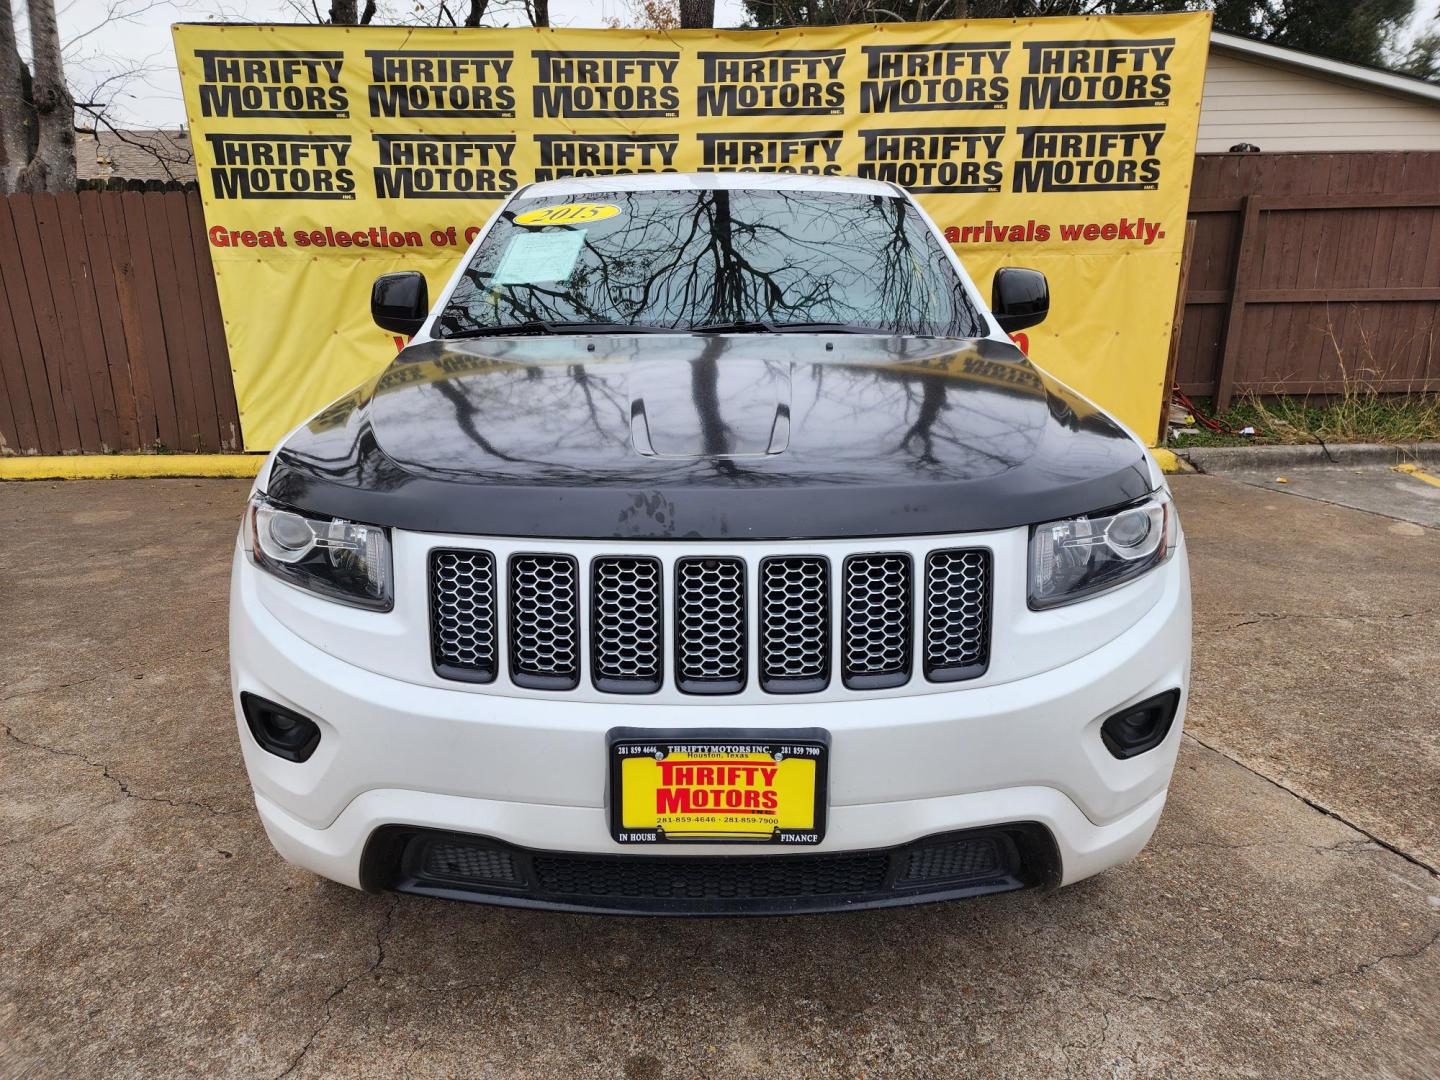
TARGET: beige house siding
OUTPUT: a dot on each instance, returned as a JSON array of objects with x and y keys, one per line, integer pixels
[{"x": 1281, "y": 109}]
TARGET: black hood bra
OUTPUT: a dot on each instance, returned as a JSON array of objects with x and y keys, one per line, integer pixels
[{"x": 679, "y": 437}]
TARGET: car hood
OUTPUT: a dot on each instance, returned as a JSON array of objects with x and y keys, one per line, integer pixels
[{"x": 745, "y": 436}]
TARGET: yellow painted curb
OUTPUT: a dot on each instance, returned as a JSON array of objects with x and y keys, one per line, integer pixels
[
  {"x": 113, "y": 466},
  {"x": 1418, "y": 473},
  {"x": 1169, "y": 461}
]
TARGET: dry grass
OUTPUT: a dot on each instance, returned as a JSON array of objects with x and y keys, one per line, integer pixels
[{"x": 1359, "y": 415}]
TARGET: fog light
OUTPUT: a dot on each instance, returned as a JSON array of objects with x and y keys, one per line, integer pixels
[
  {"x": 1141, "y": 727},
  {"x": 280, "y": 731}
]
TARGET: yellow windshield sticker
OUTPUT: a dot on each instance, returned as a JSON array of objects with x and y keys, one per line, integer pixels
[{"x": 568, "y": 214}]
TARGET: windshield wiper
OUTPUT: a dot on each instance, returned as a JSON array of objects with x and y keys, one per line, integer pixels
[
  {"x": 740, "y": 326},
  {"x": 755, "y": 326},
  {"x": 546, "y": 326}
]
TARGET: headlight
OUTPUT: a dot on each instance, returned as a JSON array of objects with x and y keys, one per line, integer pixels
[
  {"x": 1079, "y": 557},
  {"x": 331, "y": 556}
]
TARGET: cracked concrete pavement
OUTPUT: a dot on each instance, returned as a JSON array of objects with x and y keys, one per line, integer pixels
[{"x": 1285, "y": 921}]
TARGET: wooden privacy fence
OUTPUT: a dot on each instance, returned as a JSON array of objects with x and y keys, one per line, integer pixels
[
  {"x": 1313, "y": 273},
  {"x": 110, "y": 331}
]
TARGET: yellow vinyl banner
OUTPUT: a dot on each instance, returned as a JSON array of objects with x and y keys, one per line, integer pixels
[{"x": 327, "y": 155}]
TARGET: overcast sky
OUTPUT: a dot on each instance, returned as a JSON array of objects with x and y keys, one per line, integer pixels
[{"x": 108, "y": 38}]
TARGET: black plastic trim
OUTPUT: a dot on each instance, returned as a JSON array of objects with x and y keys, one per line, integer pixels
[
  {"x": 885, "y": 680},
  {"x": 1035, "y": 863},
  {"x": 254, "y": 707},
  {"x": 1168, "y": 703},
  {"x": 610, "y": 685},
  {"x": 798, "y": 684}
]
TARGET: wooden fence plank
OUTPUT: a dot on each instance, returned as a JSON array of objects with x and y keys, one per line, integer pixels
[
  {"x": 167, "y": 283},
  {"x": 68, "y": 351},
  {"x": 108, "y": 318},
  {"x": 85, "y": 315},
  {"x": 29, "y": 268},
  {"x": 1234, "y": 321},
  {"x": 117, "y": 240},
  {"x": 147, "y": 306},
  {"x": 10, "y": 441},
  {"x": 187, "y": 315},
  {"x": 25, "y": 433}
]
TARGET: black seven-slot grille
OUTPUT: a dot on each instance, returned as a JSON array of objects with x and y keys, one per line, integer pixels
[{"x": 625, "y": 594}]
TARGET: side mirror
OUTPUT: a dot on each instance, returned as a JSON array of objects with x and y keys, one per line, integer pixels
[
  {"x": 1019, "y": 298},
  {"x": 400, "y": 302}
]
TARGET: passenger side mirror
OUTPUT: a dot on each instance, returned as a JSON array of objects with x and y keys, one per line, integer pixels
[
  {"x": 1019, "y": 298},
  {"x": 400, "y": 302}
]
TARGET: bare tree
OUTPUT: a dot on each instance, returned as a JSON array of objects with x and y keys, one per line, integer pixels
[
  {"x": 38, "y": 126},
  {"x": 17, "y": 132},
  {"x": 348, "y": 13},
  {"x": 697, "y": 14},
  {"x": 476, "y": 13}
]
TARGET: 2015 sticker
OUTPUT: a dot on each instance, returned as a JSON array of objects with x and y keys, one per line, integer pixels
[{"x": 568, "y": 214}]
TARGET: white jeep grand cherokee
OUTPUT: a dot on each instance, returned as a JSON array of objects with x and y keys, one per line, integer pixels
[{"x": 711, "y": 549}]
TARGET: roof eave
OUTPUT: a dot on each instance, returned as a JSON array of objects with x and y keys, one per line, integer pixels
[{"x": 1371, "y": 78}]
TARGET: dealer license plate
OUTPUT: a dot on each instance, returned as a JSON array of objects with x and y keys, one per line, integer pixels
[{"x": 727, "y": 786}]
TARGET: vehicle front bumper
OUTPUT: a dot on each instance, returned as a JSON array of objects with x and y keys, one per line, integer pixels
[{"x": 395, "y": 753}]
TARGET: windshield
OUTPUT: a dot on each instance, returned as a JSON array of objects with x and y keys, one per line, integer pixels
[{"x": 736, "y": 259}]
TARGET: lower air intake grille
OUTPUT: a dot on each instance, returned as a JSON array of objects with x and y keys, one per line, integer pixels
[
  {"x": 957, "y": 614},
  {"x": 876, "y": 630},
  {"x": 463, "y": 615},
  {"x": 710, "y": 625},
  {"x": 794, "y": 624},
  {"x": 544, "y": 621},
  {"x": 464, "y": 867},
  {"x": 625, "y": 625}
]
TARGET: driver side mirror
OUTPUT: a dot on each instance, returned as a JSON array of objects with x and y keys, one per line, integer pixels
[
  {"x": 400, "y": 302},
  {"x": 1019, "y": 298}
]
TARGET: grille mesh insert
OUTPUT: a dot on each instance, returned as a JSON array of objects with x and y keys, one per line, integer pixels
[
  {"x": 462, "y": 614},
  {"x": 462, "y": 861},
  {"x": 957, "y": 614},
  {"x": 876, "y": 621},
  {"x": 794, "y": 623},
  {"x": 969, "y": 857},
  {"x": 625, "y": 624},
  {"x": 715, "y": 879},
  {"x": 544, "y": 621},
  {"x": 710, "y": 625}
]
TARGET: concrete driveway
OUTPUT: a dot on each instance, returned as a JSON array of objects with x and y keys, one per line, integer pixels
[{"x": 1284, "y": 921}]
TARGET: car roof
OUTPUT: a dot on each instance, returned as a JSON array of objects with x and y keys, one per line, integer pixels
[{"x": 709, "y": 181}]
